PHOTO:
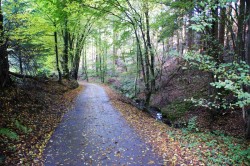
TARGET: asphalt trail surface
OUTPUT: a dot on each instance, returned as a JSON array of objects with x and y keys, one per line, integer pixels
[{"x": 94, "y": 133}]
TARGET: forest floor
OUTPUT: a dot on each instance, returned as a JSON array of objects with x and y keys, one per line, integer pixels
[
  {"x": 187, "y": 146},
  {"x": 30, "y": 111}
]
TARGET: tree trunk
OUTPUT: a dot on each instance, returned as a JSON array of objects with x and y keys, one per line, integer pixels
[
  {"x": 190, "y": 33},
  {"x": 76, "y": 64},
  {"x": 66, "y": 51},
  {"x": 71, "y": 48},
  {"x": 248, "y": 61},
  {"x": 240, "y": 36},
  {"x": 97, "y": 58},
  {"x": 248, "y": 31},
  {"x": 114, "y": 50},
  {"x": 214, "y": 49},
  {"x": 222, "y": 33},
  {"x": 215, "y": 22},
  {"x": 4, "y": 63},
  {"x": 139, "y": 54},
  {"x": 85, "y": 63},
  {"x": 147, "y": 67},
  {"x": 149, "y": 45},
  {"x": 57, "y": 57},
  {"x": 178, "y": 42}
]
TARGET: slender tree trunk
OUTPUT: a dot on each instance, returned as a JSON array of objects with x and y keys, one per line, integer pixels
[
  {"x": 66, "y": 51},
  {"x": 85, "y": 64},
  {"x": 215, "y": 22},
  {"x": 100, "y": 55},
  {"x": 71, "y": 48},
  {"x": 97, "y": 57},
  {"x": 57, "y": 57},
  {"x": 184, "y": 34},
  {"x": 137, "y": 70},
  {"x": 114, "y": 50},
  {"x": 247, "y": 112},
  {"x": 240, "y": 36},
  {"x": 248, "y": 32},
  {"x": 76, "y": 63},
  {"x": 222, "y": 33},
  {"x": 178, "y": 42},
  {"x": 76, "y": 57},
  {"x": 83, "y": 59},
  {"x": 139, "y": 51},
  {"x": 147, "y": 67},
  {"x": 4, "y": 63},
  {"x": 190, "y": 32},
  {"x": 149, "y": 45}
]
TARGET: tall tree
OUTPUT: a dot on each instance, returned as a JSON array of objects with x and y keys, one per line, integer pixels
[
  {"x": 4, "y": 63},
  {"x": 248, "y": 32},
  {"x": 240, "y": 34}
]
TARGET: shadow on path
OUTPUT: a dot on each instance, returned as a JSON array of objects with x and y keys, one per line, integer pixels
[{"x": 94, "y": 133}]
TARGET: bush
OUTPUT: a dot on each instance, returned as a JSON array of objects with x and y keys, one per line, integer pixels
[
  {"x": 43, "y": 73},
  {"x": 127, "y": 87},
  {"x": 192, "y": 124},
  {"x": 229, "y": 78},
  {"x": 176, "y": 110}
]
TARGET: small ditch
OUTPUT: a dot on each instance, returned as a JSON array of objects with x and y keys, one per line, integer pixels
[{"x": 156, "y": 113}]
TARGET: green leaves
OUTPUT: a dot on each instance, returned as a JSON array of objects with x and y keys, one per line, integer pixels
[
  {"x": 9, "y": 133},
  {"x": 230, "y": 77},
  {"x": 22, "y": 127}
]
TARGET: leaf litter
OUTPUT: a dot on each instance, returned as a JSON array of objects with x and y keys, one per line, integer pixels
[
  {"x": 32, "y": 110},
  {"x": 176, "y": 146}
]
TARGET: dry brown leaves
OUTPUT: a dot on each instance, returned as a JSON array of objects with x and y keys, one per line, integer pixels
[
  {"x": 38, "y": 107},
  {"x": 182, "y": 148},
  {"x": 155, "y": 133}
]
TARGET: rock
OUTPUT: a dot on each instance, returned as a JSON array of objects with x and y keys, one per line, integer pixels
[
  {"x": 166, "y": 121},
  {"x": 140, "y": 103}
]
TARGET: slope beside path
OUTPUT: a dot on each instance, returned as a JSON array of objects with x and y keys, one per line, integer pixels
[{"x": 94, "y": 133}]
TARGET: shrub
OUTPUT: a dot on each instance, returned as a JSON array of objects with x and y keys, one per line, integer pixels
[
  {"x": 229, "y": 78},
  {"x": 176, "y": 109},
  {"x": 192, "y": 124}
]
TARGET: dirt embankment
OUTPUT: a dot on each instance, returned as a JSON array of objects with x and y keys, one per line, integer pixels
[{"x": 181, "y": 82}]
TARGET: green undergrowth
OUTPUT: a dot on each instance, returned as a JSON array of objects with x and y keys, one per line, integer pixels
[
  {"x": 176, "y": 110},
  {"x": 9, "y": 133},
  {"x": 212, "y": 148},
  {"x": 22, "y": 128}
]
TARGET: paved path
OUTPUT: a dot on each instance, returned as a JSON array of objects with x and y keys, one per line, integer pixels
[{"x": 94, "y": 133}]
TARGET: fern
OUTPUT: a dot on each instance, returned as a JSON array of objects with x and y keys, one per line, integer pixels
[
  {"x": 8, "y": 133},
  {"x": 22, "y": 127}
]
